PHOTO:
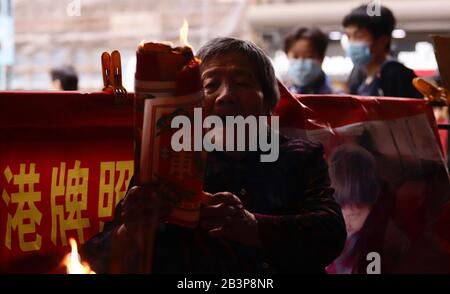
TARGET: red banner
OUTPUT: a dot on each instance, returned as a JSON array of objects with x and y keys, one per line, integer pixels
[{"x": 65, "y": 161}]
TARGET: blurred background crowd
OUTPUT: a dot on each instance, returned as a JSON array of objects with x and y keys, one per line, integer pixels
[{"x": 40, "y": 35}]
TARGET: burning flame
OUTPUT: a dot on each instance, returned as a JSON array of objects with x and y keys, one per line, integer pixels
[
  {"x": 184, "y": 34},
  {"x": 73, "y": 262},
  {"x": 141, "y": 44}
]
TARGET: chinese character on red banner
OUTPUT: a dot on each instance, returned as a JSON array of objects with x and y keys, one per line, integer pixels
[
  {"x": 26, "y": 216},
  {"x": 111, "y": 191},
  {"x": 72, "y": 190}
]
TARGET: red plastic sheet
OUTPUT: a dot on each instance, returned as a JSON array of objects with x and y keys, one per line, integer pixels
[{"x": 387, "y": 167}]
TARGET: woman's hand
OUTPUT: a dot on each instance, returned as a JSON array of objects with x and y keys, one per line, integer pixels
[
  {"x": 141, "y": 212},
  {"x": 225, "y": 216},
  {"x": 141, "y": 208}
]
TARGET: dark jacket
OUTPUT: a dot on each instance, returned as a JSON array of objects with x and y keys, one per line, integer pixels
[
  {"x": 393, "y": 80},
  {"x": 300, "y": 224}
]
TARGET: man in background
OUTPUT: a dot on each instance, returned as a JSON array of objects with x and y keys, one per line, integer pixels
[
  {"x": 64, "y": 78},
  {"x": 375, "y": 71}
]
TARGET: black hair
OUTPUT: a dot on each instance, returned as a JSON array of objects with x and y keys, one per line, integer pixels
[
  {"x": 265, "y": 73},
  {"x": 378, "y": 25},
  {"x": 354, "y": 176},
  {"x": 67, "y": 76},
  {"x": 317, "y": 38}
]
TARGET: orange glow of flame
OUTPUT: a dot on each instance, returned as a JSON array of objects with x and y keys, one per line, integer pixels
[
  {"x": 184, "y": 34},
  {"x": 73, "y": 262},
  {"x": 141, "y": 44}
]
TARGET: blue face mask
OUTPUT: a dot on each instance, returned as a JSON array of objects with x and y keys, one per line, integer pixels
[
  {"x": 304, "y": 72},
  {"x": 359, "y": 53}
]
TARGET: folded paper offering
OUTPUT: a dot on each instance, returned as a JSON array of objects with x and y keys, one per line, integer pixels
[{"x": 167, "y": 85}]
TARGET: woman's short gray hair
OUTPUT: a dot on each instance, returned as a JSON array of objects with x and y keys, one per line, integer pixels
[{"x": 265, "y": 73}]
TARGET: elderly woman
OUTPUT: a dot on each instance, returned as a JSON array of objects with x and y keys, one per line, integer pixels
[{"x": 263, "y": 217}]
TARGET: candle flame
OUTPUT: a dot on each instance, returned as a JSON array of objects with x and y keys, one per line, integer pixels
[
  {"x": 184, "y": 34},
  {"x": 73, "y": 262}
]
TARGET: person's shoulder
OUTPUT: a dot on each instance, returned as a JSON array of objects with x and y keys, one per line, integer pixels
[
  {"x": 394, "y": 68},
  {"x": 396, "y": 80}
]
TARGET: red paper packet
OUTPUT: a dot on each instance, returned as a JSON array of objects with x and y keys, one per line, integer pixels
[{"x": 168, "y": 84}]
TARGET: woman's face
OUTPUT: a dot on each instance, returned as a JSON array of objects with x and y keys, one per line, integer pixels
[
  {"x": 304, "y": 49},
  {"x": 231, "y": 87},
  {"x": 354, "y": 217}
]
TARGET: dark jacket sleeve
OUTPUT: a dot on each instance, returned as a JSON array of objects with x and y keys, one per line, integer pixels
[
  {"x": 396, "y": 81},
  {"x": 311, "y": 239}
]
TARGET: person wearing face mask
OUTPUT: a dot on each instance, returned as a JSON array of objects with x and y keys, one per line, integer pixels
[
  {"x": 375, "y": 71},
  {"x": 305, "y": 48}
]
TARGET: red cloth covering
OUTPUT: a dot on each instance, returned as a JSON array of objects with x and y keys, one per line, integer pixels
[
  {"x": 43, "y": 134},
  {"x": 402, "y": 137}
]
